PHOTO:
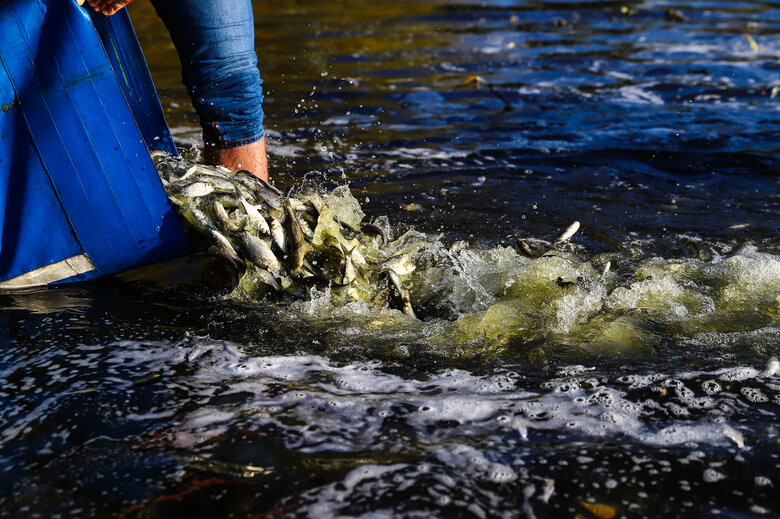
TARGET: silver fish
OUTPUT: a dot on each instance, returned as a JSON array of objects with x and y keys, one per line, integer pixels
[
  {"x": 266, "y": 239},
  {"x": 222, "y": 217},
  {"x": 568, "y": 233},
  {"x": 299, "y": 246},
  {"x": 217, "y": 183},
  {"x": 260, "y": 253},
  {"x": 224, "y": 245},
  {"x": 268, "y": 278},
  {"x": 402, "y": 292},
  {"x": 401, "y": 265},
  {"x": 525, "y": 249},
  {"x": 198, "y": 219},
  {"x": 370, "y": 228},
  {"x": 305, "y": 229},
  {"x": 196, "y": 189},
  {"x": 349, "y": 274},
  {"x": 278, "y": 235},
  {"x": 264, "y": 190},
  {"x": 231, "y": 266},
  {"x": 255, "y": 218}
]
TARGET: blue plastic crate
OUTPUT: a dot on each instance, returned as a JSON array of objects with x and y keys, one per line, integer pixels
[{"x": 79, "y": 195}]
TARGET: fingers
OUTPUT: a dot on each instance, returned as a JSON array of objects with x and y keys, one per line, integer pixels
[
  {"x": 97, "y": 5},
  {"x": 112, "y": 9},
  {"x": 107, "y": 7}
]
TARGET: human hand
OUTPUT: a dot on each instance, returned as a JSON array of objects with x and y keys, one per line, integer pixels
[{"x": 107, "y": 7}]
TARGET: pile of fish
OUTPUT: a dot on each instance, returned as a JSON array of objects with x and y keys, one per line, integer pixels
[{"x": 311, "y": 237}]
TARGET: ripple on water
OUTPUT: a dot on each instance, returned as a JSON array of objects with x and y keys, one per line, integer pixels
[{"x": 517, "y": 395}]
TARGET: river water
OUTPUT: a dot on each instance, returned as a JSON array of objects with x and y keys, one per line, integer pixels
[{"x": 529, "y": 388}]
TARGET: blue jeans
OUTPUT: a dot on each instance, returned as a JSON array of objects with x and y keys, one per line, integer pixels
[{"x": 215, "y": 40}]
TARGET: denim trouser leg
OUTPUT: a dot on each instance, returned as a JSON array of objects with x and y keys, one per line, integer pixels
[{"x": 215, "y": 40}]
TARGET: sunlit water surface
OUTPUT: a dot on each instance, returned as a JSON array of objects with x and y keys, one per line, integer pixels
[{"x": 532, "y": 388}]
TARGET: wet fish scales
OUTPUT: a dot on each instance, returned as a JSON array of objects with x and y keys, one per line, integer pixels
[
  {"x": 260, "y": 188},
  {"x": 255, "y": 218},
  {"x": 278, "y": 234},
  {"x": 299, "y": 247},
  {"x": 260, "y": 253},
  {"x": 225, "y": 246}
]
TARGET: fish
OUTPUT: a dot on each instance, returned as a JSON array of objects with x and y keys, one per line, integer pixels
[
  {"x": 196, "y": 189},
  {"x": 231, "y": 266},
  {"x": 312, "y": 237},
  {"x": 259, "y": 251},
  {"x": 224, "y": 245},
  {"x": 402, "y": 292},
  {"x": 278, "y": 235},
  {"x": 255, "y": 218},
  {"x": 269, "y": 194},
  {"x": 218, "y": 184},
  {"x": 299, "y": 247},
  {"x": 225, "y": 223},
  {"x": 568, "y": 233},
  {"x": 349, "y": 274},
  {"x": 370, "y": 228},
  {"x": 400, "y": 264},
  {"x": 523, "y": 248}
]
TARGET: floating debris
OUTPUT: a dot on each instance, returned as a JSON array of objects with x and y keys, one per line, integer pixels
[
  {"x": 600, "y": 510},
  {"x": 673, "y": 15},
  {"x": 478, "y": 81},
  {"x": 754, "y": 46},
  {"x": 413, "y": 207},
  {"x": 82, "y": 391}
]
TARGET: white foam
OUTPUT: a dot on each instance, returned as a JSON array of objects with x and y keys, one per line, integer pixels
[
  {"x": 754, "y": 394},
  {"x": 325, "y": 502},
  {"x": 772, "y": 368},
  {"x": 639, "y": 95},
  {"x": 712, "y": 476},
  {"x": 361, "y": 396},
  {"x": 152, "y": 415},
  {"x": 473, "y": 462},
  {"x": 737, "y": 374}
]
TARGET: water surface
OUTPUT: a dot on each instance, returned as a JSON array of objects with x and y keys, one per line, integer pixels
[{"x": 651, "y": 391}]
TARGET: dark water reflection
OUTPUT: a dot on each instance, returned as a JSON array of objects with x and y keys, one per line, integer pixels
[{"x": 148, "y": 395}]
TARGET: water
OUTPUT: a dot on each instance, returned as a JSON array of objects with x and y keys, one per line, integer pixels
[{"x": 651, "y": 391}]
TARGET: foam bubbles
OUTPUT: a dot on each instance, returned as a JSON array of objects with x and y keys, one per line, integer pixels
[
  {"x": 754, "y": 394},
  {"x": 480, "y": 301},
  {"x": 712, "y": 476},
  {"x": 711, "y": 387},
  {"x": 738, "y": 374}
]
